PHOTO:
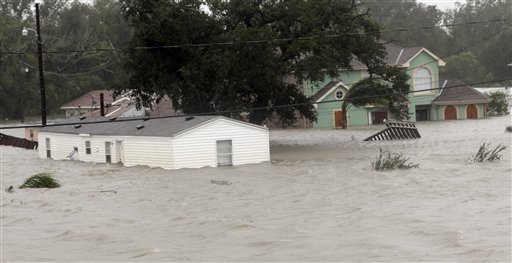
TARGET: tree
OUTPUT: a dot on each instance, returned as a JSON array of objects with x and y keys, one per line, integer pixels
[
  {"x": 406, "y": 14},
  {"x": 259, "y": 42},
  {"x": 466, "y": 67},
  {"x": 389, "y": 89},
  {"x": 490, "y": 41},
  {"x": 17, "y": 87},
  {"x": 498, "y": 104},
  {"x": 66, "y": 26}
]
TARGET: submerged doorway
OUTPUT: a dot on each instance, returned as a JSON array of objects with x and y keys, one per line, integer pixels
[
  {"x": 472, "y": 112},
  {"x": 379, "y": 117},
  {"x": 450, "y": 113},
  {"x": 422, "y": 112},
  {"x": 119, "y": 152}
]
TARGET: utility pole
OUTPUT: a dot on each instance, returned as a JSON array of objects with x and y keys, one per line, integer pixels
[{"x": 41, "y": 75}]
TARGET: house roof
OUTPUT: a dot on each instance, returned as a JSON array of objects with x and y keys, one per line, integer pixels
[
  {"x": 156, "y": 127},
  {"x": 455, "y": 91},
  {"x": 398, "y": 56},
  {"x": 325, "y": 91},
  {"x": 90, "y": 100}
]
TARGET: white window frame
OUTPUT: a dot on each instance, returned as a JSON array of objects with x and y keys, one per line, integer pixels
[
  {"x": 48, "y": 148},
  {"x": 425, "y": 83},
  {"x": 230, "y": 154},
  {"x": 88, "y": 149},
  {"x": 336, "y": 94}
]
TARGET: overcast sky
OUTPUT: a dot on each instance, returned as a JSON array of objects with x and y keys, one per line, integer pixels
[{"x": 441, "y": 4}]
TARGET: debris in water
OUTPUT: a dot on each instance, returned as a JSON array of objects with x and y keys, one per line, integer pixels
[
  {"x": 219, "y": 182},
  {"x": 10, "y": 189}
]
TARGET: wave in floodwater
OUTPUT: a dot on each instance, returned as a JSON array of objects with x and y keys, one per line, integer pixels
[{"x": 317, "y": 200}]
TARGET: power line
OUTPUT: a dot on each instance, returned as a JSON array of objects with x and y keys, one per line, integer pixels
[
  {"x": 232, "y": 43},
  {"x": 464, "y": 48},
  {"x": 244, "y": 110}
]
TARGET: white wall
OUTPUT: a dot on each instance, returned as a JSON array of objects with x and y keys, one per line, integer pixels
[
  {"x": 137, "y": 150},
  {"x": 198, "y": 148},
  {"x": 193, "y": 149},
  {"x": 150, "y": 151}
]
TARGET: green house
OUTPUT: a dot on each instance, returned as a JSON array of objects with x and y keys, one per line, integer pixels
[{"x": 423, "y": 69}]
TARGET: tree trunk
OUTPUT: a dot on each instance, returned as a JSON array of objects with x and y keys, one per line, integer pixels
[{"x": 344, "y": 118}]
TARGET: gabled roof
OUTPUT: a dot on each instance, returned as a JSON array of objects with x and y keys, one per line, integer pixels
[
  {"x": 325, "y": 91},
  {"x": 90, "y": 100},
  {"x": 457, "y": 92},
  {"x": 155, "y": 127},
  {"x": 399, "y": 56}
]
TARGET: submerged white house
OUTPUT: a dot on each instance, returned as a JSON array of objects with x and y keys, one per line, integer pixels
[{"x": 169, "y": 143}]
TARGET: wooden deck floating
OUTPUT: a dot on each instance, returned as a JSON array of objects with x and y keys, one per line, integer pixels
[
  {"x": 17, "y": 142},
  {"x": 396, "y": 130}
]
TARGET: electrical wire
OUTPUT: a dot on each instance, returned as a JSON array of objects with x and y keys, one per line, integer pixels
[
  {"x": 231, "y": 43},
  {"x": 244, "y": 110}
]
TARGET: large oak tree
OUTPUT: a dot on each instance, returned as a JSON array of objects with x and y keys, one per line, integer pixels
[{"x": 220, "y": 56}]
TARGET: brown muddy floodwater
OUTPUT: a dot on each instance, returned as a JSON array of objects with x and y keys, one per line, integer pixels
[{"x": 317, "y": 200}]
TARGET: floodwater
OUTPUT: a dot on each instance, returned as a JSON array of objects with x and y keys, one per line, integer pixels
[{"x": 317, "y": 200}]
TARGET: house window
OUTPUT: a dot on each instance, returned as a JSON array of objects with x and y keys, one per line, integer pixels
[
  {"x": 224, "y": 152},
  {"x": 31, "y": 134},
  {"x": 48, "y": 149},
  {"x": 87, "y": 147},
  {"x": 108, "y": 155},
  {"x": 422, "y": 81},
  {"x": 338, "y": 94}
]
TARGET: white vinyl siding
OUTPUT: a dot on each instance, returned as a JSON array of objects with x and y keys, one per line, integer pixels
[
  {"x": 150, "y": 151},
  {"x": 197, "y": 148},
  {"x": 191, "y": 149}
]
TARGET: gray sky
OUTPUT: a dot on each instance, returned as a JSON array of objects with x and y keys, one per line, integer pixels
[{"x": 441, "y": 4}]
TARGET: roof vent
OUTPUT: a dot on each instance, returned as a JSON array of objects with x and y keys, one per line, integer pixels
[
  {"x": 112, "y": 119},
  {"x": 82, "y": 118},
  {"x": 189, "y": 118},
  {"x": 138, "y": 127},
  {"x": 78, "y": 126},
  {"x": 145, "y": 118}
]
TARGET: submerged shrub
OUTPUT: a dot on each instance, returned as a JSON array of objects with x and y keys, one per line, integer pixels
[
  {"x": 42, "y": 180},
  {"x": 391, "y": 161},
  {"x": 485, "y": 153}
]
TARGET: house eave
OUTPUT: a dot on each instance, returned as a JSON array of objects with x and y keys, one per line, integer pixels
[{"x": 459, "y": 102}]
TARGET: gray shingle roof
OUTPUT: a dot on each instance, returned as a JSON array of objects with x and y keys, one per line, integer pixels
[
  {"x": 158, "y": 127},
  {"x": 395, "y": 55},
  {"x": 457, "y": 92},
  {"x": 323, "y": 91}
]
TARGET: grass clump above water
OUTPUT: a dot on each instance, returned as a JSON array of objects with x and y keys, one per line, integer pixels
[
  {"x": 391, "y": 161},
  {"x": 41, "y": 180},
  {"x": 487, "y": 154}
]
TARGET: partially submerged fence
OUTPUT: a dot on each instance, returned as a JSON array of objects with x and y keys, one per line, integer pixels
[
  {"x": 17, "y": 142},
  {"x": 396, "y": 130}
]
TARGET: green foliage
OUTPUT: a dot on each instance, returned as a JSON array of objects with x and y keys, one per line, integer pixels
[
  {"x": 254, "y": 73},
  {"x": 466, "y": 67},
  {"x": 391, "y": 161},
  {"x": 65, "y": 25},
  {"x": 486, "y": 154},
  {"x": 389, "y": 90},
  {"x": 474, "y": 52},
  {"x": 498, "y": 104},
  {"x": 41, "y": 180}
]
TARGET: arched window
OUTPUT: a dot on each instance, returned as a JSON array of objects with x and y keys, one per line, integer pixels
[{"x": 422, "y": 80}]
